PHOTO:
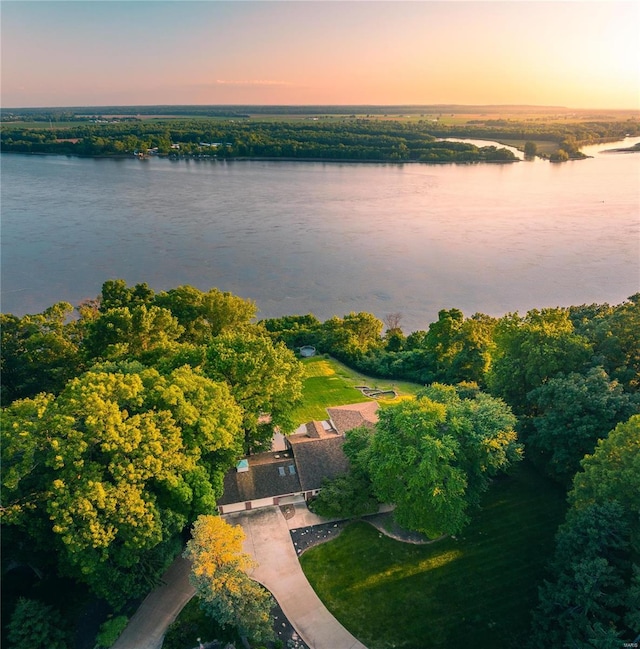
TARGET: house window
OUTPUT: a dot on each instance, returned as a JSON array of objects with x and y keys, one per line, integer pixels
[
  {"x": 292, "y": 469},
  {"x": 281, "y": 471}
]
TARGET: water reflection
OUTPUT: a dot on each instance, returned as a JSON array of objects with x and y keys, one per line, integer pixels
[{"x": 328, "y": 238}]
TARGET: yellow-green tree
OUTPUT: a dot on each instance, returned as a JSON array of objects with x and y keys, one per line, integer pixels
[
  {"x": 612, "y": 472},
  {"x": 114, "y": 467},
  {"x": 219, "y": 574}
]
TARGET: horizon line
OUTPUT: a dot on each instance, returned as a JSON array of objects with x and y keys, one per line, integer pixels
[{"x": 316, "y": 105}]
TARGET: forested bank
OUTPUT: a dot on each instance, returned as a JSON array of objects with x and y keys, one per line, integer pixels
[
  {"x": 352, "y": 140},
  {"x": 232, "y": 134},
  {"x": 122, "y": 415}
]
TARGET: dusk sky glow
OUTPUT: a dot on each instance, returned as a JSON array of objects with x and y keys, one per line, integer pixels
[{"x": 579, "y": 54}]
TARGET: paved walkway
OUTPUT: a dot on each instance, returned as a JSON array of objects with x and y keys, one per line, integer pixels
[
  {"x": 269, "y": 542},
  {"x": 302, "y": 517},
  {"x": 159, "y": 609}
]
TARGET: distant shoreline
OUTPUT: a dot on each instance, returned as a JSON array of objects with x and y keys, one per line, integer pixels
[{"x": 130, "y": 156}]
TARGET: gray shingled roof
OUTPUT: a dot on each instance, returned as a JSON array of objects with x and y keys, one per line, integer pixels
[
  {"x": 262, "y": 480},
  {"x": 316, "y": 454},
  {"x": 318, "y": 459}
]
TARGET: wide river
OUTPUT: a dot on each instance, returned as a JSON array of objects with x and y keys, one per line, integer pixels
[{"x": 329, "y": 238}]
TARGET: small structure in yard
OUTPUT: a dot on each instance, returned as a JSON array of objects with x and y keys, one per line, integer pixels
[
  {"x": 373, "y": 393},
  {"x": 306, "y": 351}
]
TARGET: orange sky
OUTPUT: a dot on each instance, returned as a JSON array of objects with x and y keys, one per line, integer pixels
[{"x": 580, "y": 54}]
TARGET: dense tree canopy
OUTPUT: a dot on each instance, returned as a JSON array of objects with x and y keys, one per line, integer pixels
[
  {"x": 593, "y": 595},
  {"x": 590, "y": 602},
  {"x": 118, "y": 463},
  {"x": 36, "y": 625},
  {"x": 265, "y": 379},
  {"x": 39, "y": 352},
  {"x": 573, "y": 412},
  {"x": 532, "y": 350},
  {"x": 612, "y": 472},
  {"x": 433, "y": 457},
  {"x": 204, "y": 315}
]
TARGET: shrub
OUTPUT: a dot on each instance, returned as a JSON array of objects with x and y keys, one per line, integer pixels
[
  {"x": 37, "y": 626},
  {"x": 346, "y": 496},
  {"x": 110, "y": 631}
]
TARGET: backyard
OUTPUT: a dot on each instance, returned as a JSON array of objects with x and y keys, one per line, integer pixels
[
  {"x": 475, "y": 590},
  {"x": 329, "y": 383}
]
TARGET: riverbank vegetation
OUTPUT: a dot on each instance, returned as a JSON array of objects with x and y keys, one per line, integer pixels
[
  {"x": 121, "y": 416},
  {"x": 399, "y": 134}
]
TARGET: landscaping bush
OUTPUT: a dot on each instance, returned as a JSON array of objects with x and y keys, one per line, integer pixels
[
  {"x": 346, "y": 496},
  {"x": 110, "y": 631}
]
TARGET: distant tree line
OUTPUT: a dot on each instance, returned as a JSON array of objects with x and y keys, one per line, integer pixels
[
  {"x": 358, "y": 139},
  {"x": 364, "y": 140}
]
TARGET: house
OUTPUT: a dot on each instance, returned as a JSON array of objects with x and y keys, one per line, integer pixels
[{"x": 314, "y": 452}]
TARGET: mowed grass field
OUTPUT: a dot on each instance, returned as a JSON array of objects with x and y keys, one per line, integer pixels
[
  {"x": 473, "y": 591},
  {"x": 330, "y": 383}
]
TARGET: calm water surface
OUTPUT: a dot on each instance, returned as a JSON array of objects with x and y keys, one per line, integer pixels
[{"x": 328, "y": 238}]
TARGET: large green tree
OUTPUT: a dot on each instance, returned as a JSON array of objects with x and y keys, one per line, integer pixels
[
  {"x": 125, "y": 333},
  {"x": 39, "y": 353},
  {"x": 264, "y": 377},
  {"x": 592, "y": 596},
  {"x": 612, "y": 472},
  {"x": 615, "y": 334},
  {"x": 531, "y": 350},
  {"x": 115, "y": 294},
  {"x": 351, "y": 337},
  {"x": 484, "y": 428},
  {"x": 204, "y": 315},
  {"x": 118, "y": 463},
  {"x": 433, "y": 457},
  {"x": 36, "y": 625},
  {"x": 587, "y": 601},
  {"x": 574, "y": 412}
]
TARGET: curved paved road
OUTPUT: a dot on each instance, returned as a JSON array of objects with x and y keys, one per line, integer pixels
[
  {"x": 269, "y": 543},
  {"x": 159, "y": 609}
]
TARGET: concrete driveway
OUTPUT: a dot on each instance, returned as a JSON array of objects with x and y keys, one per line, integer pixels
[{"x": 268, "y": 541}]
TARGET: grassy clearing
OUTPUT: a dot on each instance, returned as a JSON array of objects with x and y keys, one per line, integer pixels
[
  {"x": 475, "y": 591},
  {"x": 330, "y": 383},
  {"x": 351, "y": 376},
  {"x": 544, "y": 146}
]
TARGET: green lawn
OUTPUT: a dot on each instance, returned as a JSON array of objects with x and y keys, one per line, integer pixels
[
  {"x": 475, "y": 591},
  {"x": 330, "y": 383}
]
